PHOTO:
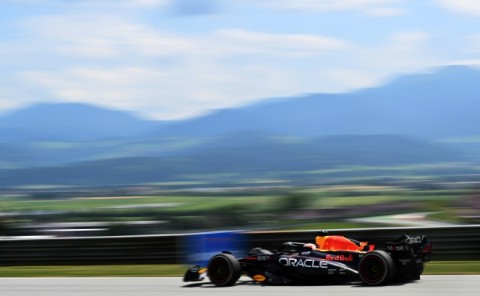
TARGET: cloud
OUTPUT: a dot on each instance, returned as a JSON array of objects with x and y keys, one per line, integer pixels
[
  {"x": 469, "y": 7},
  {"x": 101, "y": 36},
  {"x": 194, "y": 7},
  {"x": 370, "y": 7},
  {"x": 111, "y": 87},
  {"x": 115, "y": 61},
  {"x": 294, "y": 45},
  {"x": 95, "y": 4},
  {"x": 473, "y": 45},
  {"x": 406, "y": 51}
]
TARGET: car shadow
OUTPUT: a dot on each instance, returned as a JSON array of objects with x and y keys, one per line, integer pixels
[{"x": 210, "y": 285}]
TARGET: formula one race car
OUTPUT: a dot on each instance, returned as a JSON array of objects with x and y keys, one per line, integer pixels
[{"x": 332, "y": 259}]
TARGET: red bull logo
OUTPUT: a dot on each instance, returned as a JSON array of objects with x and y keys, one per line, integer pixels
[{"x": 344, "y": 258}]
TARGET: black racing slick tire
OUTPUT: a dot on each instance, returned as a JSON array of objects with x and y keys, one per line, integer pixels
[
  {"x": 224, "y": 270},
  {"x": 419, "y": 268},
  {"x": 376, "y": 268}
]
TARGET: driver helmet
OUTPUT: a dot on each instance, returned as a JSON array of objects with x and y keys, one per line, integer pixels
[{"x": 310, "y": 246}]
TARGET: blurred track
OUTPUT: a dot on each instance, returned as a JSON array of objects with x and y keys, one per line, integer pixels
[{"x": 429, "y": 285}]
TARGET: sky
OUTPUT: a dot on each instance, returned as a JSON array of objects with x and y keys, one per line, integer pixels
[{"x": 177, "y": 59}]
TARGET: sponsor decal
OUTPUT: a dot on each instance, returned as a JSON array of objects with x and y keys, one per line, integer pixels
[
  {"x": 397, "y": 248},
  {"x": 414, "y": 240},
  {"x": 306, "y": 263},
  {"x": 345, "y": 258}
]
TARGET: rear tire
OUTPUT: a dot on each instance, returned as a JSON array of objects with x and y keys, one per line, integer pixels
[
  {"x": 419, "y": 268},
  {"x": 376, "y": 268},
  {"x": 224, "y": 270}
]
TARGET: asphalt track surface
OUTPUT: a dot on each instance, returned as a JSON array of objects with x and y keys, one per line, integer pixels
[{"x": 450, "y": 285}]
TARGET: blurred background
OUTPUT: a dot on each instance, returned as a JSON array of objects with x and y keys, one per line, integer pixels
[{"x": 174, "y": 116}]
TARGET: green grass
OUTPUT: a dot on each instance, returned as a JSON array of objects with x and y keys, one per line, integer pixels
[
  {"x": 165, "y": 270},
  {"x": 326, "y": 226},
  {"x": 316, "y": 198},
  {"x": 143, "y": 270},
  {"x": 182, "y": 203},
  {"x": 452, "y": 267}
]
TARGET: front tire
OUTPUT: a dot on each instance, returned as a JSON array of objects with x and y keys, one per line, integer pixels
[
  {"x": 376, "y": 268},
  {"x": 224, "y": 270}
]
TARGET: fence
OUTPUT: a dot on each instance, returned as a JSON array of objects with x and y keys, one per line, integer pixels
[{"x": 449, "y": 243}]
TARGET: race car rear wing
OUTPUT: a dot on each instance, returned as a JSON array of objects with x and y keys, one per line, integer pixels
[{"x": 416, "y": 245}]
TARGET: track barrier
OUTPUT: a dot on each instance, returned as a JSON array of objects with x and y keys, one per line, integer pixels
[{"x": 449, "y": 243}]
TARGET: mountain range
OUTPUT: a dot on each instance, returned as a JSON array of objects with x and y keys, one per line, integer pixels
[
  {"x": 443, "y": 104},
  {"x": 415, "y": 119}
]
